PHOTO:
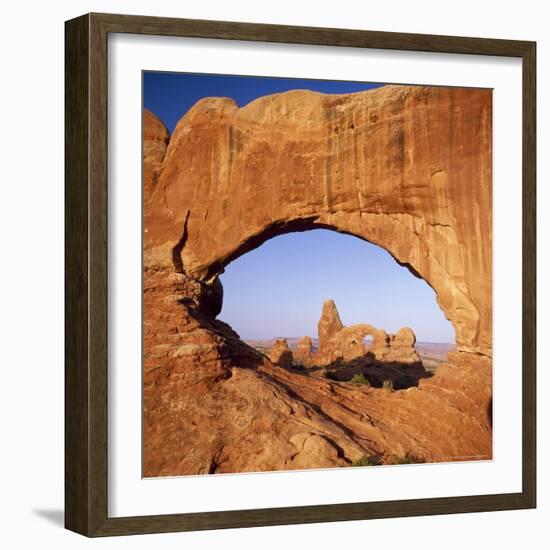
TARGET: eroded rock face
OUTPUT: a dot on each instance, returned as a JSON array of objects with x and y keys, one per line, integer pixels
[
  {"x": 281, "y": 354},
  {"x": 407, "y": 168}
]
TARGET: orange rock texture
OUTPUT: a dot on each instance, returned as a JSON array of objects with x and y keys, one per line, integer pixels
[
  {"x": 407, "y": 168},
  {"x": 155, "y": 143}
]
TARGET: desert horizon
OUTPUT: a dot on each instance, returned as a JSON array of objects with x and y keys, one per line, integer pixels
[{"x": 431, "y": 354}]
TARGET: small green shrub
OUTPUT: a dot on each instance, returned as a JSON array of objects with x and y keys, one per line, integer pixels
[
  {"x": 364, "y": 461},
  {"x": 388, "y": 385},
  {"x": 407, "y": 458},
  {"x": 360, "y": 380}
]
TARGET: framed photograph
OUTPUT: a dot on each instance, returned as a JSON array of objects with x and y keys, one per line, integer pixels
[{"x": 300, "y": 275}]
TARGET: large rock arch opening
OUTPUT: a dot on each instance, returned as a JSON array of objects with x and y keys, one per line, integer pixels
[
  {"x": 406, "y": 168},
  {"x": 303, "y": 225},
  {"x": 284, "y": 287}
]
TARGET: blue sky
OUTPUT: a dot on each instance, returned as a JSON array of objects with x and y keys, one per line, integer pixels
[
  {"x": 171, "y": 95},
  {"x": 279, "y": 288}
]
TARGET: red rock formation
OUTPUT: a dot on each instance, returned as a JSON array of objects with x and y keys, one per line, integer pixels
[
  {"x": 407, "y": 168},
  {"x": 304, "y": 349},
  {"x": 155, "y": 143},
  {"x": 345, "y": 344},
  {"x": 401, "y": 345},
  {"x": 280, "y": 354},
  {"x": 329, "y": 323}
]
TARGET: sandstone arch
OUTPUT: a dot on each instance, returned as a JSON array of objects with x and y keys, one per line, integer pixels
[
  {"x": 339, "y": 343},
  {"x": 406, "y": 168}
]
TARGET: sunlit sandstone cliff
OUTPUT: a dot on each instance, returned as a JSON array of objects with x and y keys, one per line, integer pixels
[{"x": 407, "y": 168}]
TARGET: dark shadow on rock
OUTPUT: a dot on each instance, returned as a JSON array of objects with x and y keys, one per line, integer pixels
[
  {"x": 232, "y": 348},
  {"x": 402, "y": 376},
  {"x": 285, "y": 360},
  {"x": 55, "y": 516}
]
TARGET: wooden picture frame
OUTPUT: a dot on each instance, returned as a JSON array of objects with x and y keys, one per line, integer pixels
[{"x": 86, "y": 283}]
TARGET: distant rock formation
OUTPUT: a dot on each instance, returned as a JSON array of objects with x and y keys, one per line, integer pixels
[
  {"x": 304, "y": 349},
  {"x": 338, "y": 343},
  {"x": 329, "y": 324},
  {"x": 401, "y": 345},
  {"x": 281, "y": 354}
]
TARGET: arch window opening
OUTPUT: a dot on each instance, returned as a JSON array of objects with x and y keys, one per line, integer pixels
[
  {"x": 328, "y": 304},
  {"x": 367, "y": 340}
]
